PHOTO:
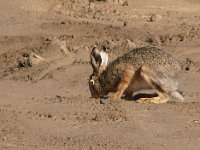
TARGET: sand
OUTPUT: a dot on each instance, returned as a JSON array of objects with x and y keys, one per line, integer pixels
[{"x": 44, "y": 70}]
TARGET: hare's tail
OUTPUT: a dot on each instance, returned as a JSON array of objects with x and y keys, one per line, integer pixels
[
  {"x": 170, "y": 86},
  {"x": 177, "y": 95}
]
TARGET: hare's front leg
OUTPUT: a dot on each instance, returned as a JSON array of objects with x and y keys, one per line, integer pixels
[{"x": 124, "y": 83}]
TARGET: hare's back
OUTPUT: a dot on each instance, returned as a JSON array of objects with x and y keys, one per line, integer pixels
[{"x": 156, "y": 58}]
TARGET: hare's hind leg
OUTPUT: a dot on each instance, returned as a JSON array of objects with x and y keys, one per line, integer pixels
[
  {"x": 124, "y": 83},
  {"x": 151, "y": 78},
  {"x": 156, "y": 100}
]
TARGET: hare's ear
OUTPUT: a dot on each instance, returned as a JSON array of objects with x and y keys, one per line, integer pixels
[
  {"x": 99, "y": 60},
  {"x": 95, "y": 59},
  {"x": 104, "y": 59}
]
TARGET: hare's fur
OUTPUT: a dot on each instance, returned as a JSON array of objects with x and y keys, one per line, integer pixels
[{"x": 142, "y": 68}]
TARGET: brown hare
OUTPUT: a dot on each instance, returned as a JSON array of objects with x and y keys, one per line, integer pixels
[{"x": 142, "y": 68}]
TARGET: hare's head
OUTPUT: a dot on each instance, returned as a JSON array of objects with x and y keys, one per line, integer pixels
[{"x": 99, "y": 61}]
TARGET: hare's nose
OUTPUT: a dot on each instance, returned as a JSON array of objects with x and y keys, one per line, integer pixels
[{"x": 94, "y": 96}]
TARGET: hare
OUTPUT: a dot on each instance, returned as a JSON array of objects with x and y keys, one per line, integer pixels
[{"x": 142, "y": 68}]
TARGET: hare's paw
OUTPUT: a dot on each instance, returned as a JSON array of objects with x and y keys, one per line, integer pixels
[
  {"x": 155, "y": 100},
  {"x": 115, "y": 96}
]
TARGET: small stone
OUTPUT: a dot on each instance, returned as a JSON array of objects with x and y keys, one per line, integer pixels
[
  {"x": 75, "y": 48},
  {"x": 154, "y": 17},
  {"x": 187, "y": 68},
  {"x": 103, "y": 101},
  {"x": 63, "y": 48},
  {"x": 91, "y": 7},
  {"x": 120, "y": 1},
  {"x": 130, "y": 44},
  {"x": 49, "y": 116},
  {"x": 63, "y": 22},
  {"x": 154, "y": 40},
  {"x": 125, "y": 23},
  {"x": 125, "y": 3},
  {"x": 115, "y": 11},
  {"x": 35, "y": 59}
]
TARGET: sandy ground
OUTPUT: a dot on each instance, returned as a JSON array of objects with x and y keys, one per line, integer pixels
[{"x": 44, "y": 69}]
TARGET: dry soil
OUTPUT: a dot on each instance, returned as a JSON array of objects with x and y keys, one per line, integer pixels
[{"x": 45, "y": 102}]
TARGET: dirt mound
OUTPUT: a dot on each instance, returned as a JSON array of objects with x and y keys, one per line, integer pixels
[{"x": 32, "y": 63}]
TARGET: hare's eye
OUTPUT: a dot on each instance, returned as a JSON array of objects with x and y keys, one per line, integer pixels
[{"x": 92, "y": 82}]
